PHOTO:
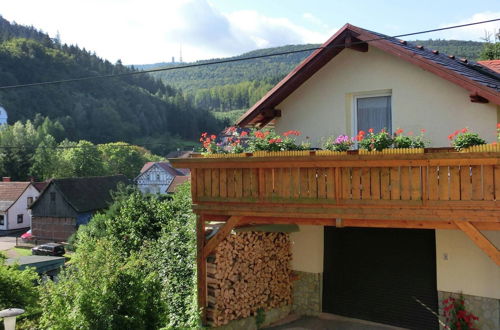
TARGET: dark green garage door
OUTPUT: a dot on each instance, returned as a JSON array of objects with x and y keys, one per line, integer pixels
[{"x": 378, "y": 275}]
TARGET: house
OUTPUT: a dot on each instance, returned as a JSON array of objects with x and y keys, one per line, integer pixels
[
  {"x": 382, "y": 238},
  {"x": 15, "y": 200},
  {"x": 68, "y": 203},
  {"x": 160, "y": 178}
]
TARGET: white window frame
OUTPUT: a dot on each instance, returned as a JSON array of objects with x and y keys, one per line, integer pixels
[{"x": 354, "y": 112}]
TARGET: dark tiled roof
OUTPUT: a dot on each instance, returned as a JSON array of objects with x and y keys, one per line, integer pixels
[
  {"x": 467, "y": 68},
  {"x": 90, "y": 193}
]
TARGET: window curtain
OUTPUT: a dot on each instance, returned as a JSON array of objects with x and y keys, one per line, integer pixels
[{"x": 374, "y": 112}]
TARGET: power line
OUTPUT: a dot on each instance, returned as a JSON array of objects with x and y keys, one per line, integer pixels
[{"x": 194, "y": 65}]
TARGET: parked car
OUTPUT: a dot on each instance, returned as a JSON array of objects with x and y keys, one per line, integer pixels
[
  {"x": 27, "y": 236},
  {"x": 49, "y": 249}
]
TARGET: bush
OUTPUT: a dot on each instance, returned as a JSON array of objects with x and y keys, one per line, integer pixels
[
  {"x": 464, "y": 139},
  {"x": 18, "y": 288},
  {"x": 134, "y": 268},
  {"x": 103, "y": 289},
  {"x": 374, "y": 141},
  {"x": 409, "y": 141}
]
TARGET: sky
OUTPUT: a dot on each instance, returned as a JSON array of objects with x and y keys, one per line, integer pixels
[{"x": 152, "y": 31}]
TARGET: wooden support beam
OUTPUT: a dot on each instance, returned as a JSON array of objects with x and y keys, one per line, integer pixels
[
  {"x": 220, "y": 235},
  {"x": 475, "y": 98},
  {"x": 480, "y": 240},
  {"x": 201, "y": 264}
]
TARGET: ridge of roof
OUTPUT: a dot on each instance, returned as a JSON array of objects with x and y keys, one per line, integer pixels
[{"x": 474, "y": 77}]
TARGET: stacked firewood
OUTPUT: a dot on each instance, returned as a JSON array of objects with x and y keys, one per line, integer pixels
[{"x": 248, "y": 271}]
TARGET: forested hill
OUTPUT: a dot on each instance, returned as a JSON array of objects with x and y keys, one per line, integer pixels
[
  {"x": 237, "y": 85},
  {"x": 272, "y": 69},
  {"x": 132, "y": 108},
  {"x": 269, "y": 69}
]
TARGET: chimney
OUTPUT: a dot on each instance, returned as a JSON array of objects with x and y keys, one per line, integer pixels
[{"x": 6, "y": 179}]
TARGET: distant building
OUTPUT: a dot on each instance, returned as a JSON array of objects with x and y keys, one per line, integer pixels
[
  {"x": 160, "y": 178},
  {"x": 66, "y": 204},
  {"x": 15, "y": 200},
  {"x": 3, "y": 116}
]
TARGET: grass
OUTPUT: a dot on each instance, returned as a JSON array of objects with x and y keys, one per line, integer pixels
[{"x": 22, "y": 252}]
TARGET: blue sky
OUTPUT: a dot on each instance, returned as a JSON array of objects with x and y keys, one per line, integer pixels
[{"x": 150, "y": 31}]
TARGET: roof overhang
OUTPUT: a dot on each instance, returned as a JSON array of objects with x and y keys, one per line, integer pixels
[{"x": 349, "y": 36}]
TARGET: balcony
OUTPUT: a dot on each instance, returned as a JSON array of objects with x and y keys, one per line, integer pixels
[{"x": 438, "y": 186}]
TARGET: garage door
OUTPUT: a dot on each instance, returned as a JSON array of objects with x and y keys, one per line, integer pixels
[{"x": 379, "y": 274}]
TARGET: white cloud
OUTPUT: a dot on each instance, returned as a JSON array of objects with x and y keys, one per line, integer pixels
[
  {"x": 473, "y": 32},
  {"x": 153, "y": 30}
]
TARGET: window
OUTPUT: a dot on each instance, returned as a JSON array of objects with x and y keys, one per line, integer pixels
[
  {"x": 2, "y": 220},
  {"x": 372, "y": 112},
  {"x": 30, "y": 201},
  {"x": 53, "y": 197},
  {"x": 19, "y": 218},
  {"x": 157, "y": 177}
]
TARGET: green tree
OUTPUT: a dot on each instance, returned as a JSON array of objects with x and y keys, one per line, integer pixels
[
  {"x": 103, "y": 289},
  {"x": 79, "y": 159},
  {"x": 134, "y": 268},
  {"x": 45, "y": 160},
  {"x": 18, "y": 288},
  {"x": 118, "y": 158},
  {"x": 491, "y": 51}
]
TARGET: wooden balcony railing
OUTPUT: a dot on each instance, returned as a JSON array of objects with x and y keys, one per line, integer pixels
[{"x": 441, "y": 186}]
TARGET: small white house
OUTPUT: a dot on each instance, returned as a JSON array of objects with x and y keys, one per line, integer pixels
[
  {"x": 15, "y": 199},
  {"x": 159, "y": 178}
]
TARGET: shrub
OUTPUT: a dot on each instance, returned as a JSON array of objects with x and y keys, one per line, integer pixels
[
  {"x": 410, "y": 140},
  {"x": 374, "y": 141},
  {"x": 464, "y": 139},
  {"x": 103, "y": 289},
  {"x": 18, "y": 288}
]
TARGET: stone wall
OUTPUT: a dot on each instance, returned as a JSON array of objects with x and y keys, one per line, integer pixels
[
  {"x": 307, "y": 292},
  {"x": 487, "y": 309},
  {"x": 52, "y": 228}
]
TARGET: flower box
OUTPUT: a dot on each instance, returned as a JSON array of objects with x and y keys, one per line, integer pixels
[
  {"x": 227, "y": 155},
  {"x": 483, "y": 148},
  {"x": 282, "y": 153},
  {"x": 330, "y": 153},
  {"x": 392, "y": 151}
]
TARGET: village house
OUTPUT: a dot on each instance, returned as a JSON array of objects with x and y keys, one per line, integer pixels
[
  {"x": 161, "y": 177},
  {"x": 68, "y": 203},
  {"x": 383, "y": 238},
  {"x": 15, "y": 200}
]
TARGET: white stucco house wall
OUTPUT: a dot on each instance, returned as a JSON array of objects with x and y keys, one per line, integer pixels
[
  {"x": 159, "y": 178},
  {"x": 15, "y": 199},
  {"x": 416, "y": 88}
]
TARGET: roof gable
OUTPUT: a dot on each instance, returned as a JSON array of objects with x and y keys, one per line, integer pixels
[
  {"x": 481, "y": 82},
  {"x": 10, "y": 193}
]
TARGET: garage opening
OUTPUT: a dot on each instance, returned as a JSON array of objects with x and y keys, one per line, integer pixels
[{"x": 381, "y": 275}]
